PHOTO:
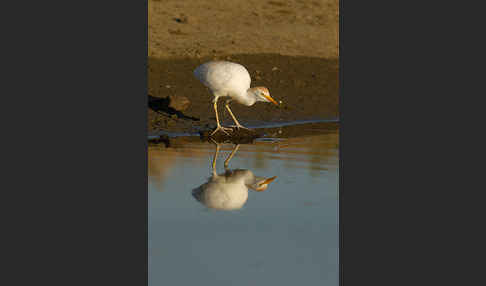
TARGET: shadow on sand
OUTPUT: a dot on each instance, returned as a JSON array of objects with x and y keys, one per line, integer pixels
[{"x": 161, "y": 105}]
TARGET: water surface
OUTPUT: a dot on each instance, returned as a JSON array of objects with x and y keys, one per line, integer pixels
[{"x": 285, "y": 235}]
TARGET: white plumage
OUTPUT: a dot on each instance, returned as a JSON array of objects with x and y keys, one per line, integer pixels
[
  {"x": 225, "y": 192},
  {"x": 227, "y": 79},
  {"x": 229, "y": 191},
  {"x": 224, "y": 77}
]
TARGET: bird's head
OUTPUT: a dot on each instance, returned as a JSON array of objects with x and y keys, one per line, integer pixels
[
  {"x": 262, "y": 94},
  {"x": 261, "y": 184}
]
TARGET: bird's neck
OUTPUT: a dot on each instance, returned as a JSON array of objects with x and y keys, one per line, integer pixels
[
  {"x": 250, "y": 97},
  {"x": 242, "y": 176}
]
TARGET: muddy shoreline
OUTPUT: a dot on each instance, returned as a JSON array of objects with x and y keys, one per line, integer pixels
[
  {"x": 307, "y": 86},
  {"x": 270, "y": 134},
  {"x": 291, "y": 47}
]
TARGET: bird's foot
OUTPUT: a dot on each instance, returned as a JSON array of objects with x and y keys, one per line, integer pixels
[
  {"x": 222, "y": 129},
  {"x": 238, "y": 126}
]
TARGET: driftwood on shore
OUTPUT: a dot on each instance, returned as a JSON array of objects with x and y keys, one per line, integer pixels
[
  {"x": 244, "y": 136},
  {"x": 236, "y": 136}
]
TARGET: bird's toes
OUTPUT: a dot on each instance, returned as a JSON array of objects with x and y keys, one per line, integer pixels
[
  {"x": 215, "y": 131},
  {"x": 227, "y": 129},
  {"x": 223, "y": 129},
  {"x": 240, "y": 127}
]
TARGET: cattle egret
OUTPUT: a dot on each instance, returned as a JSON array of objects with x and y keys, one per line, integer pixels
[
  {"x": 229, "y": 190},
  {"x": 227, "y": 79}
]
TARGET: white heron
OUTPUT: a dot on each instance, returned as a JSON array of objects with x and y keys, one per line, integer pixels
[
  {"x": 227, "y": 79},
  {"x": 229, "y": 191}
]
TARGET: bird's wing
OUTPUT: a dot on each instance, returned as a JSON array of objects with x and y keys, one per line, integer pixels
[{"x": 223, "y": 76}]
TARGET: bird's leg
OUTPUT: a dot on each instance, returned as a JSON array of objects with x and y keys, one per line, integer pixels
[
  {"x": 219, "y": 127},
  {"x": 226, "y": 162},
  {"x": 238, "y": 125},
  {"x": 214, "y": 159}
]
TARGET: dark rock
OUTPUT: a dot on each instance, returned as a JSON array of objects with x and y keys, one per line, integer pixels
[
  {"x": 171, "y": 123},
  {"x": 179, "y": 102}
]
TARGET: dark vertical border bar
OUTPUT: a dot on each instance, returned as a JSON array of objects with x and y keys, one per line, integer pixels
[
  {"x": 80, "y": 212},
  {"x": 391, "y": 206},
  {"x": 143, "y": 122},
  {"x": 341, "y": 122}
]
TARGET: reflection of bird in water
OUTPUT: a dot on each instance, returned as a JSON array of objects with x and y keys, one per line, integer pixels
[
  {"x": 227, "y": 79},
  {"x": 229, "y": 190}
]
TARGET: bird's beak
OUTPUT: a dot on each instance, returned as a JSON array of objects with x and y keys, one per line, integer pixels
[
  {"x": 269, "y": 180},
  {"x": 264, "y": 184},
  {"x": 271, "y": 99}
]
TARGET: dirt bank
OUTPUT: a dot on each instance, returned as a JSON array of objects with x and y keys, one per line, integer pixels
[
  {"x": 291, "y": 47},
  {"x": 217, "y": 27},
  {"x": 308, "y": 88}
]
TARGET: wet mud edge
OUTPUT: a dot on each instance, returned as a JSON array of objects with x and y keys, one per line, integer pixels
[{"x": 248, "y": 136}]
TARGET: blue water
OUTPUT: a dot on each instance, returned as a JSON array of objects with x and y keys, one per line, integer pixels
[{"x": 286, "y": 235}]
